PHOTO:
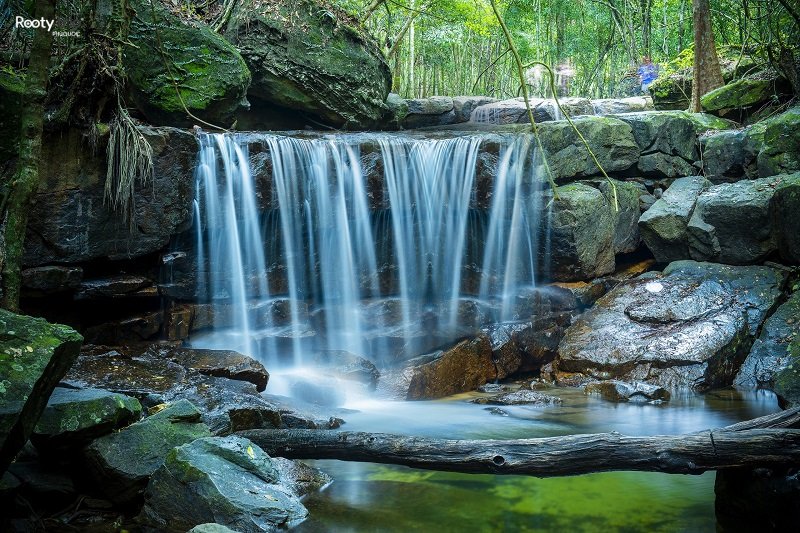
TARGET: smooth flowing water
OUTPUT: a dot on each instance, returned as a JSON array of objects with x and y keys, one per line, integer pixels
[
  {"x": 371, "y": 497},
  {"x": 333, "y": 223}
]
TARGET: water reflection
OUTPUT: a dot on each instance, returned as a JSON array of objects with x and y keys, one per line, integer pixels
[{"x": 369, "y": 497}]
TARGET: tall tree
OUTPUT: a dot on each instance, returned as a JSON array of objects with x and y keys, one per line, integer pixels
[
  {"x": 26, "y": 178},
  {"x": 707, "y": 73}
]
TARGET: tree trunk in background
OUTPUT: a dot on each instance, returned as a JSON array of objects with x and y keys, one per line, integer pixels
[
  {"x": 707, "y": 74},
  {"x": 26, "y": 178}
]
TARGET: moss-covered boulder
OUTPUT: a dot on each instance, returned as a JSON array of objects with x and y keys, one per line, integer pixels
[
  {"x": 611, "y": 141},
  {"x": 12, "y": 87},
  {"x": 739, "y": 94},
  {"x": 121, "y": 463},
  {"x": 172, "y": 67},
  {"x": 311, "y": 57},
  {"x": 34, "y": 356},
  {"x": 582, "y": 233},
  {"x": 74, "y": 417},
  {"x": 780, "y": 152},
  {"x": 229, "y": 481}
]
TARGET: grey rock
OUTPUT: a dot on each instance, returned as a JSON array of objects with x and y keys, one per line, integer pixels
[
  {"x": 610, "y": 106},
  {"x": 229, "y": 481},
  {"x": 582, "y": 228},
  {"x": 663, "y": 226},
  {"x": 433, "y": 111},
  {"x": 785, "y": 220},
  {"x": 626, "y": 215},
  {"x": 622, "y": 391},
  {"x": 732, "y": 223},
  {"x": 464, "y": 105},
  {"x": 520, "y": 397},
  {"x": 774, "y": 349},
  {"x": 121, "y": 463},
  {"x": 729, "y": 156},
  {"x": 691, "y": 314}
]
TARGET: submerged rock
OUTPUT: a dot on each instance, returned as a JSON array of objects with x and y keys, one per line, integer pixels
[
  {"x": 34, "y": 356},
  {"x": 520, "y": 397},
  {"x": 121, "y": 463},
  {"x": 622, "y": 391},
  {"x": 691, "y": 325},
  {"x": 229, "y": 481},
  {"x": 312, "y": 58},
  {"x": 664, "y": 226},
  {"x": 775, "y": 348},
  {"x": 75, "y": 417}
]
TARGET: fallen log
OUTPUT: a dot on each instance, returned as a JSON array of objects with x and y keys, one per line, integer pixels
[{"x": 761, "y": 442}]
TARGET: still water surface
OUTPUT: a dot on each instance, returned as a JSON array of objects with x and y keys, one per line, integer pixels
[{"x": 369, "y": 497}]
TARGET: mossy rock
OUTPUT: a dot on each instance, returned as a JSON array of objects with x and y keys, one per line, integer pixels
[
  {"x": 739, "y": 94},
  {"x": 121, "y": 463},
  {"x": 310, "y": 57},
  {"x": 12, "y": 87},
  {"x": 787, "y": 380},
  {"x": 780, "y": 152},
  {"x": 74, "y": 417},
  {"x": 166, "y": 57},
  {"x": 34, "y": 356}
]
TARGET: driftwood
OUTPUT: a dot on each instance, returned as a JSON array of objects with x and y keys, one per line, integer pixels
[{"x": 771, "y": 440}]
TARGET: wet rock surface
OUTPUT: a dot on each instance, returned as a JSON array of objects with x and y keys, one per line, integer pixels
[
  {"x": 775, "y": 349},
  {"x": 75, "y": 417},
  {"x": 34, "y": 356},
  {"x": 121, "y": 463},
  {"x": 622, "y": 391},
  {"x": 691, "y": 325},
  {"x": 520, "y": 397},
  {"x": 226, "y": 404},
  {"x": 226, "y": 480},
  {"x": 784, "y": 206},
  {"x": 664, "y": 226}
]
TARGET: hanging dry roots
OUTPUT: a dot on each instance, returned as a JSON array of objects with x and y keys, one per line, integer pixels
[{"x": 129, "y": 159}]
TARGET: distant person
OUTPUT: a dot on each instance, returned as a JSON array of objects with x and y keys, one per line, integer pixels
[{"x": 648, "y": 72}]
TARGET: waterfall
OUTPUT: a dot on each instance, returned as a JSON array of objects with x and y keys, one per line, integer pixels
[{"x": 383, "y": 245}]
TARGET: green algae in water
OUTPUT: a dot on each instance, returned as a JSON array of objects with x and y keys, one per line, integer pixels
[{"x": 380, "y": 498}]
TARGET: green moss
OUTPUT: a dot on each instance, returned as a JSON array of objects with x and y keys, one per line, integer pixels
[
  {"x": 184, "y": 65},
  {"x": 741, "y": 93},
  {"x": 12, "y": 88}
]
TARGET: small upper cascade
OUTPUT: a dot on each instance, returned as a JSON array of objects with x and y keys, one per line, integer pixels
[{"x": 383, "y": 245}]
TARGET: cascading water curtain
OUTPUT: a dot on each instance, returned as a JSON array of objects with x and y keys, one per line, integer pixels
[{"x": 409, "y": 228}]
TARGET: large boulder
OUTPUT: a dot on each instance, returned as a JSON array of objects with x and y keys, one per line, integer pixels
[
  {"x": 691, "y": 325},
  {"x": 173, "y": 68},
  {"x": 729, "y": 155},
  {"x": 75, "y": 417},
  {"x": 611, "y": 106},
  {"x": 582, "y": 233},
  {"x": 461, "y": 368},
  {"x": 785, "y": 222},
  {"x": 70, "y": 220},
  {"x": 121, "y": 463},
  {"x": 780, "y": 152},
  {"x": 610, "y": 139},
  {"x": 732, "y": 222},
  {"x": 229, "y": 481},
  {"x": 426, "y": 112},
  {"x": 623, "y": 197},
  {"x": 311, "y": 57},
  {"x": 775, "y": 348},
  {"x": 664, "y": 226},
  {"x": 34, "y": 356},
  {"x": 746, "y": 92}
]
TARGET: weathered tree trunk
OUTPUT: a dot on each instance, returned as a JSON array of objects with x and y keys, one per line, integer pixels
[
  {"x": 26, "y": 178},
  {"x": 757, "y": 443},
  {"x": 707, "y": 73}
]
